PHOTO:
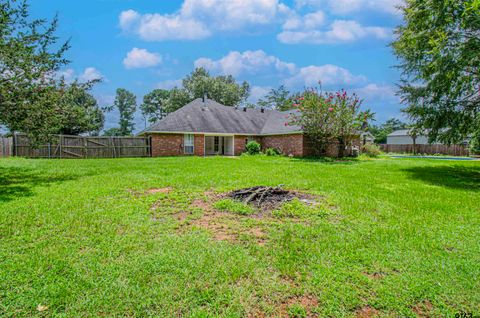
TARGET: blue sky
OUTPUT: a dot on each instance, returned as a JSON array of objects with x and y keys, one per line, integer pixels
[{"x": 145, "y": 44}]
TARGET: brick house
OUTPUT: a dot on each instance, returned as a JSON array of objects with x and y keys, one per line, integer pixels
[{"x": 204, "y": 127}]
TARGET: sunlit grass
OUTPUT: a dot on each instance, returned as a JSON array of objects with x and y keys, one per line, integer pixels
[{"x": 85, "y": 238}]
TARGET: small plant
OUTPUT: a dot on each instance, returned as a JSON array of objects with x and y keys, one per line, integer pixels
[
  {"x": 297, "y": 311},
  {"x": 272, "y": 152},
  {"x": 233, "y": 206},
  {"x": 371, "y": 150},
  {"x": 297, "y": 209},
  {"x": 253, "y": 148}
]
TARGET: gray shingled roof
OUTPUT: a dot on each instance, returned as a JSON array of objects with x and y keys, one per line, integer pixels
[
  {"x": 400, "y": 132},
  {"x": 212, "y": 117}
]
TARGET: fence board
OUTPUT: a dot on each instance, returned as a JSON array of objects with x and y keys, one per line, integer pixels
[
  {"x": 5, "y": 146},
  {"x": 452, "y": 150},
  {"x": 63, "y": 146}
]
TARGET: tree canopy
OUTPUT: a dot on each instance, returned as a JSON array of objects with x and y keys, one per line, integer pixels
[
  {"x": 438, "y": 46},
  {"x": 223, "y": 89},
  {"x": 33, "y": 99},
  {"x": 126, "y": 104},
  {"x": 154, "y": 105},
  {"x": 280, "y": 99}
]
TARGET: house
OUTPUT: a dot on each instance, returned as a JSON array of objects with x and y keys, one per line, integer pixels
[
  {"x": 403, "y": 137},
  {"x": 204, "y": 127}
]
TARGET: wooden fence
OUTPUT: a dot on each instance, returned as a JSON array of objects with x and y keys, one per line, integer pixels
[
  {"x": 452, "y": 150},
  {"x": 6, "y": 146},
  {"x": 63, "y": 146}
]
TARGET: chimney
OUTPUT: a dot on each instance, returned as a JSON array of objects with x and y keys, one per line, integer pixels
[
  {"x": 244, "y": 109},
  {"x": 204, "y": 99},
  {"x": 262, "y": 110}
]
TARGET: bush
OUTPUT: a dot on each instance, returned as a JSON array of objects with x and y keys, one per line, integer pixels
[
  {"x": 272, "y": 152},
  {"x": 371, "y": 150},
  {"x": 474, "y": 145},
  {"x": 253, "y": 148}
]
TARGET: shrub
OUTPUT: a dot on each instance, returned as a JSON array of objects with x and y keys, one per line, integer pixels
[
  {"x": 253, "y": 148},
  {"x": 272, "y": 152},
  {"x": 371, "y": 150},
  {"x": 474, "y": 145},
  {"x": 233, "y": 206}
]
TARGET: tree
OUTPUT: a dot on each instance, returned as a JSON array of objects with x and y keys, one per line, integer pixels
[
  {"x": 154, "y": 105},
  {"x": 438, "y": 46},
  {"x": 279, "y": 99},
  {"x": 222, "y": 89},
  {"x": 113, "y": 132},
  {"x": 29, "y": 95},
  {"x": 81, "y": 113},
  {"x": 126, "y": 104},
  {"x": 330, "y": 118},
  {"x": 382, "y": 131}
]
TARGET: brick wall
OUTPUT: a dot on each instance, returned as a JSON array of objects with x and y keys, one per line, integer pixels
[
  {"x": 199, "y": 145},
  {"x": 167, "y": 145},
  {"x": 287, "y": 144},
  {"x": 332, "y": 149},
  {"x": 239, "y": 144}
]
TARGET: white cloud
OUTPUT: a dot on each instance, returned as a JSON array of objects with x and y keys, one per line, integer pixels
[
  {"x": 344, "y": 7},
  {"x": 248, "y": 62},
  {"x": 258, "y": 92},
  {"x": 198, "y": 19},
  {"x": 341, "y": 31},
  {"x": 169, "y": 84},
  {"x": 90, "y": 74},
  {"x": 375, "y": 92},
  {"x": 309, "y": 21},
  {"x": 141, "y": 58},
  {"x": 128, "y": 18},
  {"x": 327, "y": 75}
]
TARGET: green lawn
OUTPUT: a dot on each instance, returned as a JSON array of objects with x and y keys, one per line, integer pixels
[{"x": 83, "y": 238}]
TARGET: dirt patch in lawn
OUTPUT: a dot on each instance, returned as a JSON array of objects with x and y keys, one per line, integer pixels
[
  {"x": 375, "y": 275},
  {"x": 307, "y": 302},
  {"x": 150, "y": 191},
  {"x": 366, "y": 312},
  {"x": 423, "y": 309},
  {"x": 270, "y": 198}
]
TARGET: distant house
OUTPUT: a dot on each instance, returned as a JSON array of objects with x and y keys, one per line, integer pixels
[
  {"x": 403, "y": 137},
  {"x": 204, "y": 127},
  {"x": 367, "y": 138}
]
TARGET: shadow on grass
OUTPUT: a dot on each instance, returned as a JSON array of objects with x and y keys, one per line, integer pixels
[
  {"x": 467, "y": 178},
  {"x": 328, "y": 160},
  {"x": 19, "y": 182}
]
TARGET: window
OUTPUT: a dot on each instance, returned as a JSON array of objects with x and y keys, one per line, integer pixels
[
  {"x": 216, "y": 142},
  {"x": 188, "y": 144}
]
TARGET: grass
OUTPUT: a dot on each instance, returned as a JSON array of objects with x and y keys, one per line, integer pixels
[{"x": 84, "y": 238}]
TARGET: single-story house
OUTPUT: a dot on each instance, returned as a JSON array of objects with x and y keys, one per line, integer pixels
[
  {"x": 367, "y": 138},
  {"x": 204, "y": 127},
  {"x": 403, "y": 137}
]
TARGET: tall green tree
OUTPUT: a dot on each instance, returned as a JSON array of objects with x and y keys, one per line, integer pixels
[
  {"x": 154, "y": 105},
  {"x": 29, "y": 58},
  {"x": 81, "y": 113},
  {"x": 438, "y": 46},
  {"x": 279, "y": 99},
  {"x": 126, "y": 104},
  {"x": 223, "y": 89}
]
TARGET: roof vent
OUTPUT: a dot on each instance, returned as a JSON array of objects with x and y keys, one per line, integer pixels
[
  {"x": 244, "y": 109},
  {"x": 262, "y": 110},
  {"x": 204, "y": 99}
]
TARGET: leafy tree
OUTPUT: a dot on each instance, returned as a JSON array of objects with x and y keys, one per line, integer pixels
[
  {"x": 330, "y": 117},
  {"x": 29, "y": 95},
  {"x": 222, "y": 89},
  {"x": 177, "y": 99},
  {"x": 438, "y": 46},
  {"x": 81, "y": 111},
  {"x": 115, "y": 131},
  {"x": 382, "y": 131},
  {"x": 279, "y": 99},
  {"x": 126, "y": 104},
  {"x": 154, "y": 105}
]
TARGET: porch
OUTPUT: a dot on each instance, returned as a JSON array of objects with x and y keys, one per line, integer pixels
[{"x": 222, "y": 145}]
